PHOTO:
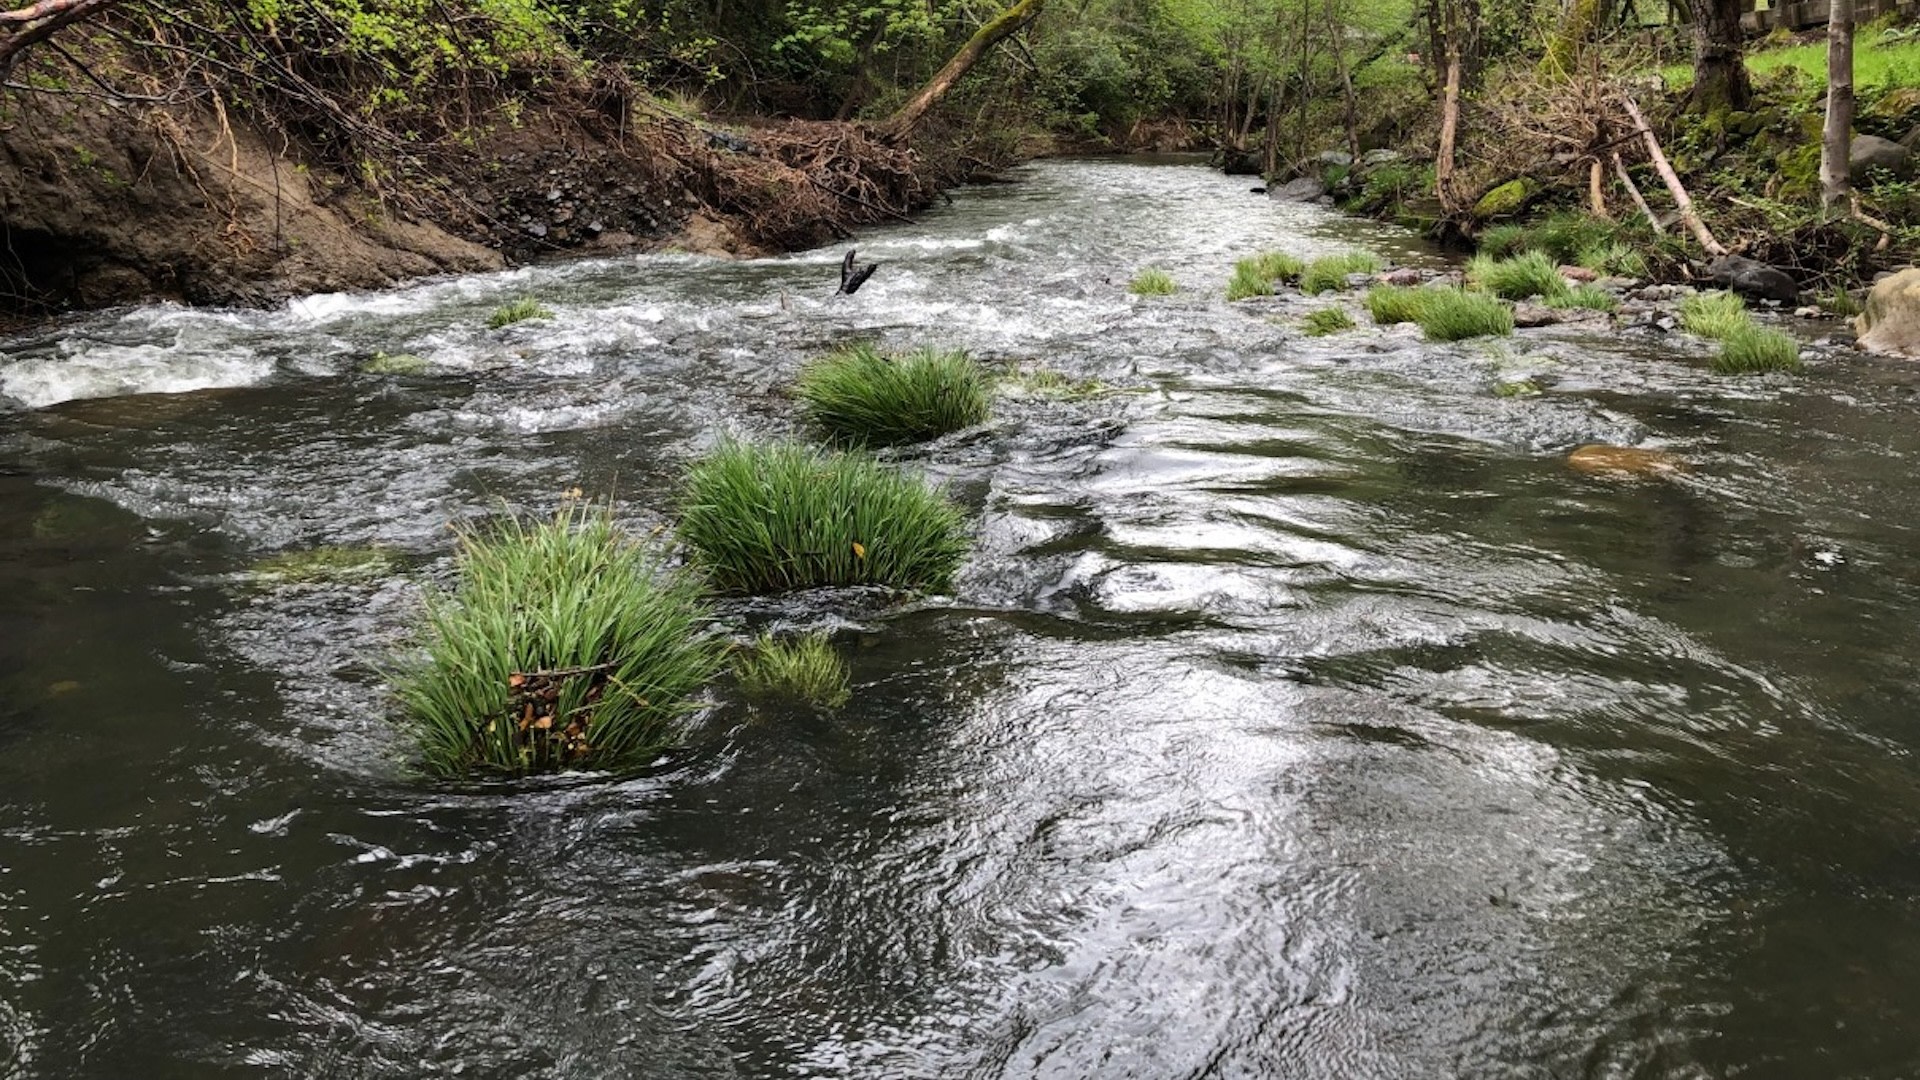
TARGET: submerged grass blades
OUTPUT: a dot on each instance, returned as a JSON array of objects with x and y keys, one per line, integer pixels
[
  {"x": 565, "y": 644},
  {"x": 863, "y": 397},
  {"x": 807, "y": 668},
  {"x": 767, "y": 518},
  {"x": 518, "y": 311},
  {"x": 1326, "y": 321}
]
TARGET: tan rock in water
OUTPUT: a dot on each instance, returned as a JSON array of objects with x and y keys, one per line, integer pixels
[
  {"x": 1598, "y": 459},
  {"x": 1891, "y": 322}
]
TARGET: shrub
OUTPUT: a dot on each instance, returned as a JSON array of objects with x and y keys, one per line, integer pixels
[
  {"x": 862, "y": 396},
  {"x": 564, "y": 645},
  {"x": 1329, "y": 272},
  {"x": 807, "y": 668},
  {"x": 1326, "y": 321},
  {"x": 1453, "y": 314},
  {"x": 519, "y": 311},
  {"x": 1590, "y": 297},
  {"x": 1714, "y": 315},
  {"x": 1389, "y": 304},
  {"x": 1530, "y": 274},
  {"x": 1152, "y": 281},
  {"x": 764, "y": 518},
  {"x": 1750, "y": 348}
]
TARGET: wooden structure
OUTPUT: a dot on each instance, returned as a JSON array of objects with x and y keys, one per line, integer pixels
[{"x": 1810, "y": 14}]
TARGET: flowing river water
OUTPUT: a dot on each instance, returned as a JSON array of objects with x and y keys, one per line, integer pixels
[{"x": 1300, "y": 713}]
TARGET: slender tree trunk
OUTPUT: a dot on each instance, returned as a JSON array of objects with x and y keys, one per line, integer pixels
[
  {"x": 1681, "y": 199},
  {"x": 1633, "y": 191},
  {"x": 1596, "y": 195},
  {"x": 1449, "y": 127},
  {"x": 1836, "y": 140},
  {"x": 1345, "y": 71},
  {"x": 1719, "y": 72},
  {"x": 997, "y": 29}
]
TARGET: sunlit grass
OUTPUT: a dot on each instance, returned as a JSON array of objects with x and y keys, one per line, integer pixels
[
  {"x": 1749, "y": 349},
  {"x": 861, "y": 396},
  {"x": 1882, "y": 58},
  {"x": 1532, "y": 273},
  {"x": 565, "y": 644},
  {"x": 1450, "y": 314},
  {"x": 1152, "y": 281},
  {"x": 518, "y": 311},
  {"x": 1589, "y": 297},
  {"x": 807, "y": 668},
  {"x": 1389, "y": 304},
  {"x": 1326, "y": 321},
  {"x": 1329, "y": 272},
  {"x": 1714, "y": 315},
  {"x": 767, "y": 518}
]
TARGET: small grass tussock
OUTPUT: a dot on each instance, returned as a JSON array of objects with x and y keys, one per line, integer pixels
[
  {"x": 1505, "y": 241},
  {"x": 772, "y": 517},
  {"x": 864, "y": 397},
  {"x": 1840, "y": 302},
  {"x": 1045, "y": 382},
  {"x": 1248, "y": 281},
  {"x": 1533, "y": 273},
  {"x": 1517, "y": 388},
  {"x": 1613, "y": 257},
  {"x": 807, "y": 668},
  {"x": 1589, "y": 297},
  {"x": 1389, "y": 304},
  {"x": 1456, "y": 314},
  {"x": 1326, "y": 321},
  {"x": 1329, "y": 272},
  {"x": 1152, "y": 281},
  {"x": 1714, "y": 315},
  {"x": 325, "y": 564},
  {"x": 1750, "y": 349},
  {"x": 383, "y": 363},
  {"x": 565, "y": 644},
  {"x": 518, "y": 311},
  {"x": 1279, "y": 266}
]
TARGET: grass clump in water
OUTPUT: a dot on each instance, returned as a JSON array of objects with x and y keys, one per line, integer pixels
[
  {"x": 1456, "y": 314},
  {"x": 1530, "y": 274},
  {"x": 564, "y": 645},
  {"x": 1750, "y": 349},
  {"x": 1714, "y": 315},
  {"x": 766, "y": 518},
  {"x": 1329, "y": 272},
  {"x": 863, "y": 397},
  {"x": 1589, "y": 297},
  {"x": 1326, "y": 321},
  {"x": 1255, "y": 276},
  {"x": 329, "y": 563},
  {"x": 806, "y": 668},
  {"x": 384, "y": 363},
  {"x": 1389, "y": 304},
  {"x": 519, "y": 311},
  {"x": 1152, "y": 281}
]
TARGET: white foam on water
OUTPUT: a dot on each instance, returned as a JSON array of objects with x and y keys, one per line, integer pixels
[{"x": 96, "y": 370}]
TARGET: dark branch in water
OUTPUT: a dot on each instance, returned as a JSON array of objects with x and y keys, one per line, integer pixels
[{"x": 852, "y": 277}]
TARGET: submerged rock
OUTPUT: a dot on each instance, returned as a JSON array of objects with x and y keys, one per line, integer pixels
[
  {"x": 1890, "y": 322},
  {"x": 1599, "y": 459}
]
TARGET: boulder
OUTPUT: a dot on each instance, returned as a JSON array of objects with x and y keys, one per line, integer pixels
[
  {"x": 1890, "y": 321},
  {"x": 1619, "y": 462},
  {"x": 1403, "y": 276},
  {"x": 1303, "y": 189},
  {"x": 1870, "y": 152},
  {"x": 1754, "y": 279},
  {"x": 1373, "y": 158},
  {"x": 1339, "y": 159}
]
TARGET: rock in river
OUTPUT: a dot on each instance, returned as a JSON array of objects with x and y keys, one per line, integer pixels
[
  {"x": 1890, "y": 322},
  {"x": 1620, "y": 462}
]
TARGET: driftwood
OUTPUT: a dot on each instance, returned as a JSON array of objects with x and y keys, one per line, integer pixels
[
  {"x": 37, "y": 22},
  {"x": 1681, "y": 199},
  {"x": 1633, "y": 190},
  {"x": 997, "y": 29}
]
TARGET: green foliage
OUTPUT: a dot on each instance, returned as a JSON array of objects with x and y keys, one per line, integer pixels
[
  {"x": 1612, "y": 257},
  {"x": 806, "y": 668},
  {"x": 765, "y": 518},
  {"x": 564, "y": 645},
  {"x": 1326, "y": 321},
  {"x": 1505, "y": 240},
  {"x": 1045, "y": 382},
  {"x": 1389, "y": 304},
  {"x": 1530, "y": 274},
  {"x": 518, "y": 311},
  {"x": 1749, "y": 349},
  {"x": 1883, "y": 58},
  {"x": 864, "y": 397},
  {"x": 1714, "y": 315},
  {"x": 326, "y": 564},
  {"x": 1152, "y": 281},
  {"x": 1449, "y": 314},
  {"x": 1517, "y": 388},
  {"x": 1329, "y": 272},
  {"x": 1249, "y": 280},
  {"x": 1840, "y": 302},
  {"x": 1590, "y": 297}
]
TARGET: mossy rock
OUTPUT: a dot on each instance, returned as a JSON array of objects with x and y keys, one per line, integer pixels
[
  {"x": 1506, "y": 200},
  {"x": 1744, "y": 124}
]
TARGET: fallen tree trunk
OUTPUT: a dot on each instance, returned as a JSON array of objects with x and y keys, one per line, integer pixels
[
  {"x": 997, "y": 29},
  {"x": 1681, "y": 199}
]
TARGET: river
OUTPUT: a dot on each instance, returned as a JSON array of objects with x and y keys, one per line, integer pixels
[{"x": 1300, "y": 713}]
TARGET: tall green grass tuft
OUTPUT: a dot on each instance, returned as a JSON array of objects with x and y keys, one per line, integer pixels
[
  {"x": 1152, "y": 281},
  {"x": 1389, "y": 304},
  {"x": 1613, "y": 257},
  {"x": 863, "y": 397},
  {"x": 1505, "y": 241},
  {"x": 807, "y": 668},
  {"x": 519, "y": 311},
  {"x": 565, "y": 644},
  {"x": 1326, "y": 321},
  {"x": 1529, "y": 274},
  {"x": 766, "y": 518},
  {"x": 1329, "y": 272},
  {"x": 1714, "y": 315},
  {"x": 1279, "y": 266},
  {"x": 1255, "y": 276},
  {"x": 1455, "y": 314},
  {"x": 1749, "y": 349},
  {"x": 1590, "y": 297}
]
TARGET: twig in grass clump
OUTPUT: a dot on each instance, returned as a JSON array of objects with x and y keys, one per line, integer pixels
[
  {"x": 863, "y": 397},
  {"x": 806, "y": 668},
  {"x": 1329, "y": 272},
  {"x": 1389, "y": 304},
  {"x": 1588, "y": 297},
  {"x": 1326, "y": 321},
  {"x": 1751, "y": 349},
  {"x": 768, "y": 518},
  {"x": 519, "y": 311},
  {"x": 1152, "y": 281},
  {"x": 1529, "y": 274},
  {"x": 565, "y": 644},
  {"x": 1449, "y": 314},
  {"x": 1714, "y": 315}
]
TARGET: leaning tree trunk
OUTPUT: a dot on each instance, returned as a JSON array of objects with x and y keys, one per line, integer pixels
[
  {"x": 1449, "y": 126},
  {"x": 997, "y": 29},
  {"x": 1719, "y": 72},
  {"x": 1836, "y": 139}
]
